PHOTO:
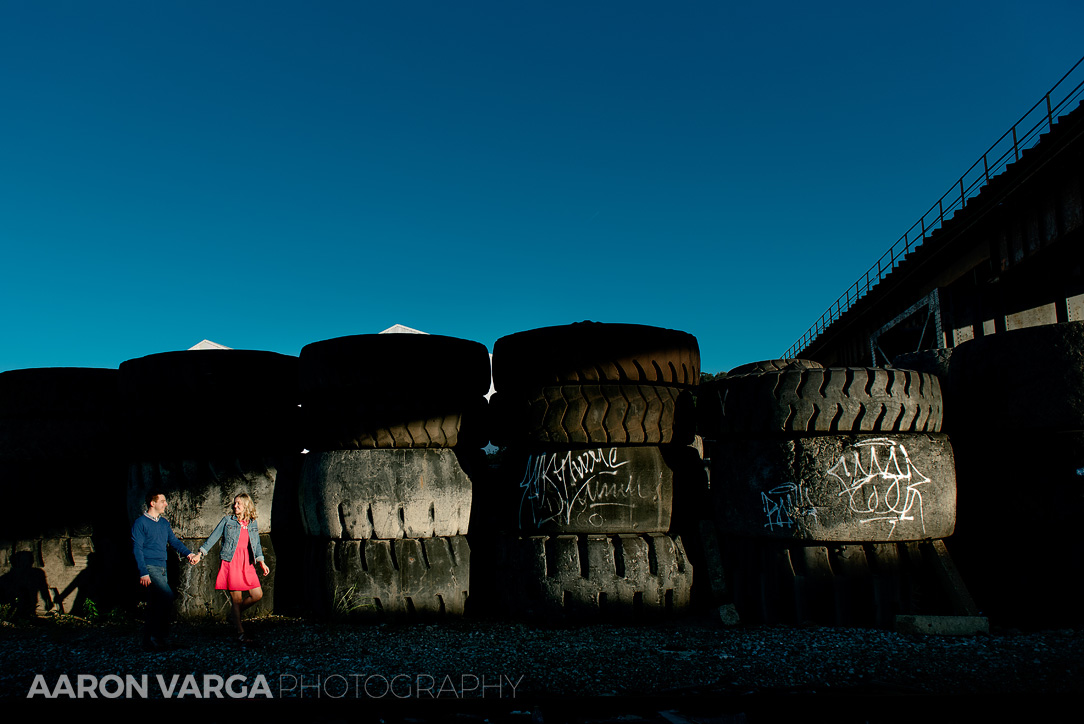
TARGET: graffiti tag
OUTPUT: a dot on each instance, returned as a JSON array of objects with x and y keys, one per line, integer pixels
[
  {"x": 879, "y": 481},
  {"x": 784, "y": 504},
  {"x": 560, "y": 486}
]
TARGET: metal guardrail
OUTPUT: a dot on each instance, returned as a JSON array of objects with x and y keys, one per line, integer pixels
[{"x": 1024, "y": 134}]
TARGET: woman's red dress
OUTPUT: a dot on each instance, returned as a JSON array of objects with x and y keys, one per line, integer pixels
[{"x": 238, "y": 574}]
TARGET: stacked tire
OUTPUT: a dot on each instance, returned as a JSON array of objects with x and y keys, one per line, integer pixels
[
  {"x": 203, "y": 427},
  {"x": 393, "y": 424},
  {"x": 937, "y": 362},
  {"x": 61, "y": 524},
  {"x": 826, "y": 483},
  {"x": 1020, "y": 436},
  {"x": 596, "y": 420}
]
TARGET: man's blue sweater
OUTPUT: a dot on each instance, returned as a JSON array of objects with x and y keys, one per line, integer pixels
[{"x": 149, "y": 539}]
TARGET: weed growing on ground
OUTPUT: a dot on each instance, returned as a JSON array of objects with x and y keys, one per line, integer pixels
[
  {"x": 90, "y": 611},
  {"x": 348, "y": 604}
]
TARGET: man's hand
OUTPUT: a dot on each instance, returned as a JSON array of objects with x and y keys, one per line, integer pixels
[
  {"x": 266, "y": 570},
  {"x": 195, "y": 558},
  {"x": 145, "y": 580}
]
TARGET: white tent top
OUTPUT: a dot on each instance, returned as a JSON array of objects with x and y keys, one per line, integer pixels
[
  {"x": 208, "y": 344},
  {"x": 400, "y": 329}
]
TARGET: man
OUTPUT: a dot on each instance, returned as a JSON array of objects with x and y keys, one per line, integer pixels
[{"x": 150, "y": 535}]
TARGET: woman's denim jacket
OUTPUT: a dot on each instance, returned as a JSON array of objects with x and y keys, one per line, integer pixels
[{"x": 232, "y": 526}]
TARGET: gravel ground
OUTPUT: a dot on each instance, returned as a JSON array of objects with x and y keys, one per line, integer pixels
[{"x": 690, "y": 670}]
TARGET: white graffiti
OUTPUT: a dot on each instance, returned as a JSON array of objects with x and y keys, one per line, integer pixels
[
  {"x": 886, "y": 487},
  {"x": 783, "y": 505},
  {"x": 558, "y": 486}
]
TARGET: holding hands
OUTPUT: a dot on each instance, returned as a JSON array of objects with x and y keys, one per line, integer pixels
[{"x": 195, "y": 558}]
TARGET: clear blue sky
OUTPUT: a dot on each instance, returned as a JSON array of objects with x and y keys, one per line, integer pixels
[{"x": 269, "y": 174}]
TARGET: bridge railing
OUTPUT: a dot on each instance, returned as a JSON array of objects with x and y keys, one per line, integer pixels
[{"x": 1023, "y": 134}]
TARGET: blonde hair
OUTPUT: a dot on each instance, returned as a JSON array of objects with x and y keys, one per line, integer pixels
[{"x": 248, "y": 508}]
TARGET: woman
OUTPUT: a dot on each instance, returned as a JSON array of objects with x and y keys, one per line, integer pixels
[{"x": 237, "y": 573}]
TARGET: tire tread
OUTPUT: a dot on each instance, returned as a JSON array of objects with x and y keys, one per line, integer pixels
[
  {"x": 594, "y": 414},
  {"x": 838, "y": 399}
]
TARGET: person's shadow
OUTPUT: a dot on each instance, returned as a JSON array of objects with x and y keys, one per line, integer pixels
[
  {"x": 84, "y": 587},
  {"x": 23, "y": 584}
]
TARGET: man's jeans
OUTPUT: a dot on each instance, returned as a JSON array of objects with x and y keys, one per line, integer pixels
[{"x": 159, "y": 605}]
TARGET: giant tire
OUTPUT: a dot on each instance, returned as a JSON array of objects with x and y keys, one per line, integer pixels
[
  {"x": 836, "y": 487},
  {"x": 60, "y": 439},
  {"x": 92, "y": 491},
  {"x": 595, "y": 576},
  {"x": 775, "y": 365},
  {"x": 589, "y": 490},
  {"x": 841, "y": 584},
  {"x": 388, "y": 579},
  {"x": 593, "y": 352},
  {"x": 80, "y": 392},
  {"x": 361, "y": 494},
  {"x": 59, "y": 413},
  {"x": 210, "y": 403},
  {"x": 1028, "y": 488},
  {"x": 366, "y": 363},
  {"x": 834, "y": 399},
  {"x": 594, "y": 414},
  {"x": 391, "y": 391},
  {"x": 431, "y": 422},
  {"x": 1024, "y": 379},
  {"x": 934, "y": 361}
]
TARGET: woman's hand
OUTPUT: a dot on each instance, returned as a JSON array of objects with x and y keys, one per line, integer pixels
[{"x": 266, "y": 570}]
